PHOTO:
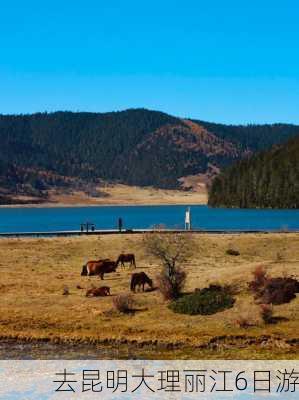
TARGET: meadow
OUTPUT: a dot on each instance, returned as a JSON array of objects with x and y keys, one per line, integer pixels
[{"x": 35, "y": 272}]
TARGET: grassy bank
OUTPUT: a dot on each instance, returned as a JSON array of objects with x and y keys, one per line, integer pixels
[
  {"x": 34, "y": 273},
  {"x": 114, "y": 195}
]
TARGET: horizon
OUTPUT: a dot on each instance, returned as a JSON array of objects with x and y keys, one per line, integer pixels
[
  {"x": 150, "y": 110},
  {"x": 226, "y": 63}
]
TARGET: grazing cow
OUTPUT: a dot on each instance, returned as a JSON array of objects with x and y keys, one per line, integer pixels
[
  {"x": 99, "y": 267},
  {"x": 91, "y": 267},
  {"x": 101, "y": 291},
  {"x": 126, "y": 258},
  {"x": 140, "y": 279}
]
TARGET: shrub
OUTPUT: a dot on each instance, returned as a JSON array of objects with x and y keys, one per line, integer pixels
[
  {"x": 273, "y": 290},
  {"x": 243, "y": 322},
  {"x": 66, "y": 291},
  {"x": 259, "y": 279},
  {"x": 279, "y": 290},
  {"x": 266, "y": 313},
  {"x": 123, "y": 303},
  {"x": 205, "y": 302},
  {"x": 232, "y": 252},
  {"x": 171, "y": 285}
]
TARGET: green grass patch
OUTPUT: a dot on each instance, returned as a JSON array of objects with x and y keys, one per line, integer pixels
[{"x": 205, "y": 302}]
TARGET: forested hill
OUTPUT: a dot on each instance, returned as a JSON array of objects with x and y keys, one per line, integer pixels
[
  {"x": 268, "y": 179},
  {"x": 137, "y": 146},
  {"x": 253, "y": 137}
]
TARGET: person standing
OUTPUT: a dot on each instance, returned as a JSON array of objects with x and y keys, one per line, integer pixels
[
  {"x": 188, "y": 219},
  {"x": 120, "y": 224}
]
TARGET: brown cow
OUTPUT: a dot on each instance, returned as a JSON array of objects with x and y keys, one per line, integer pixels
[
  {"x": 99, "y": 267},
  {"x": 101, "y": 291},
  {"x": 140, "y": 279},
  {"x": 124, "y": 258}
]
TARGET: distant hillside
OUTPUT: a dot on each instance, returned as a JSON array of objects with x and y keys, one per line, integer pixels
[
  {"x": 253, "y": 137},
  {"x": 268, "y": 179},
  {"x": 135, "y": 147}
]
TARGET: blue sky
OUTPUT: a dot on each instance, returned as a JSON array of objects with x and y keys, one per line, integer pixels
[{"x": 224, "y": 61}]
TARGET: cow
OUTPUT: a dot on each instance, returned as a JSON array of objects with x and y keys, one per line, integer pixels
[
  {"x": 126, "y": 258},
  {"x": 99, "y": 267},
  {"x": 140, "y": 279},
  {"x": 101, "y": 291}
]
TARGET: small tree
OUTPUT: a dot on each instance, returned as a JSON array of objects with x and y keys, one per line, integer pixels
[
  {"x": 259, "y": 279},
  {"x": 172, "y": 250}
]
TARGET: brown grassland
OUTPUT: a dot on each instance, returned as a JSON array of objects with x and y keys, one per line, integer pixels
[
  {"x": 34, "y": 273},
  {"x": 117, "y": 194}
]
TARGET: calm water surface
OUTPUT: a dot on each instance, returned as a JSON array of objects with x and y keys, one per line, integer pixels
[{"x": 203, "y": 217}]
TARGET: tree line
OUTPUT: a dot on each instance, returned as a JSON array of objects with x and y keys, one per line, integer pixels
[{"x": 269, "y": 179}]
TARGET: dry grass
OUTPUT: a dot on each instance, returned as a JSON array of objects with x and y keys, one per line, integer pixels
[
  {"x": 119, "y": 194},
  {"x": 123, "y": 194},
  {"x": 34, "y": 273}
]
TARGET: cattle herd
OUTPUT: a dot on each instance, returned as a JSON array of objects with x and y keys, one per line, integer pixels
[{"x": 105, "y": 266}]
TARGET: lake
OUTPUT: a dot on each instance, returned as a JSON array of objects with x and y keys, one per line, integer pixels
[{"x": 203, "y": 217}]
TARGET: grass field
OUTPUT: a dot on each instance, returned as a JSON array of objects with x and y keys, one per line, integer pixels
[
  {"x": 34, "y": 273},
  {"x": 118, "y": 194}
]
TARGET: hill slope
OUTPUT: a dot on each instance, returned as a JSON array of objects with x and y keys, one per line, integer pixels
[
  {"x": 135, "y": 147},
  {"x": 267, "y": 179}
]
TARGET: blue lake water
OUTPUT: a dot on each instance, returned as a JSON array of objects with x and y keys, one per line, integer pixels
[{"x": 203, "y": 217}]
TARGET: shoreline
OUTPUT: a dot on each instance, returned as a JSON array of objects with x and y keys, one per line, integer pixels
[
  {"x": 114, "y": 195},
  {"x": 69, "y": 234},
  {"x": 110, "y": 348},
  {"x": 132, "y": 204},
  {"x": 81, "y": 205}
]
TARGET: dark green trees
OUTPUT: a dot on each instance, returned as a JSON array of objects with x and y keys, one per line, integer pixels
[
  {"x": 269, "y": 179},
  {"x": 138, "y": 147}
]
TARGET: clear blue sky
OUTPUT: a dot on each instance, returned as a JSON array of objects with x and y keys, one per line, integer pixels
[{"x": 225, "y": 61}]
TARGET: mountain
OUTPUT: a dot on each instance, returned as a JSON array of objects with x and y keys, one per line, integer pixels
[
  {"x": 136, "y": 147},
  {"x": 267, "y": 179}
]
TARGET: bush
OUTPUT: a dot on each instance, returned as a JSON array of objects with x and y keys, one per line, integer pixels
[
  {"x": 243, "y": 322},
  {"x": 267, "y": 313},
  {"x": 123, "y": 303},
  {"x": 205, "y": 302},
  {"x": 232, "y": 252},
  {"x": 279, "y": 290},
  {"x": 66, "y": 291},
  {"x": 273, "y": 290},
  {"x": 259, "y": 279},
  {"x": 171, "y": 286}
]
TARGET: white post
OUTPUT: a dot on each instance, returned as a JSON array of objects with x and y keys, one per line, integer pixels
[{"x": 188, "y": 219}]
